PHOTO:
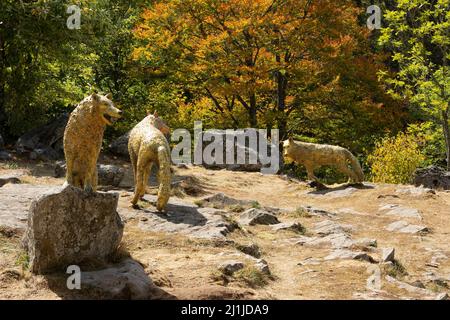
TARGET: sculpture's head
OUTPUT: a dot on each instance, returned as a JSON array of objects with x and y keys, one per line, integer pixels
[
  {"x": 288, "y": 148},
  {"x": 105, "y": 108},
  {"x": 158, "y": 123}
]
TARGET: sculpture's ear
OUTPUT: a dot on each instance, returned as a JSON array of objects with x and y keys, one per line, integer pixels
[
  {"x": 155, "y": 114},
  {"x": 109, "y": 96},
  {"x": 95, "y": 96},
  {"x": 149, "y": 112},
  {"x": 291, "y": 139}
]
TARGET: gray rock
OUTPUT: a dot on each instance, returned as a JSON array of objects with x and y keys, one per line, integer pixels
[
  {"x": 422, "y": 293},
  {"x": 365, "y": 242},
  {"x": 310, "y": 261},
  {"x": 346, "y": 192},
  {"x": 405, "y": 227},
  {"x": 400, "y": 211},
  {"x": 374, "y": 281},
  {"x": 254, "y": 216},
  {"x": 318, "y": 211},
  {"x": 343, "y": 254},
  {"x": 221, "y": 201},
  {"x": 388, "y": 254},
  {"x": 432, "y": 177},
  {"x": 230, "y": 267},
  {"x": 183, "y": 218},
  {"x": 9, "y": 178},
  {"x": 69, "y": 226},
  {"x": 415, "y": 191},
  {"x": 327, "y": 227},
  {"x": 125, "y": 280},
  {"x": 338, "y": 241},
  {"x": 44, "y": 154},
  {"x": 119, "y": 147},
  {"x": 250, "y": 249},
  {"x": 48, "y": 137},
  {"x": 5, "y": 156},
  {"x": 15, "y": 201},
  {"x": 108, "y": 175},
  {"x": 291, "y": 226},
  {"x": 262, "y": 266}
]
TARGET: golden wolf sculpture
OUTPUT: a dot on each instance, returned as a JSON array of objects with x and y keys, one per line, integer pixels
[
  {"x": 148, "y": 145},
  {"x": 313, "y": 156},
  {"x": 83, "y": 138}
]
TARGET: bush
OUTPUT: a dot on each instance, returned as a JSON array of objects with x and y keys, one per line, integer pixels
[
  {"x": 395, "y": 159},
  {"x": 431, "y": 142}
]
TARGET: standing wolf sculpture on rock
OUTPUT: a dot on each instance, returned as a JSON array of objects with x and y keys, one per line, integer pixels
[
  {"x": 83, "y": 138},
  {"x": 148, "y": 145},
  {"x": 313, "y": 156}
]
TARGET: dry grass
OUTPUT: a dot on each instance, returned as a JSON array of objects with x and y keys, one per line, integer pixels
[{"x": 177, "y": 261}]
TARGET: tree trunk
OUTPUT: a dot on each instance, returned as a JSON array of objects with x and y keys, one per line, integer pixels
[
  {"x": 252, "y": 111},
  {"x": 282, "y": 82},
  {"x": 446, "y": 135}
]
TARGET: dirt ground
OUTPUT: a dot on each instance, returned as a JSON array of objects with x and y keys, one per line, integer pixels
[{"x": 187, "y": 267}]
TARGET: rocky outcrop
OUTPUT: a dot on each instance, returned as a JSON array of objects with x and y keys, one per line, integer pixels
[
  {"x": 221, "y": 201},
  {"x": 254, "y": 216},
  {"x": 15, "y": 200},
  {"x": 406, "y": 227},
  {"x": 119, "y": 147},
  {"x": 4, "y": 155},
  {"x": 108, "y": 175},
  {"x": 181, "y": 217},
  {"x": 125, "y": 280},
  {"x": 244, "y": 154},
  {"x": 400, "y": 211},
  {"x": 45, "y": 142},
  {"x": 432, "y": 177},
  {"x": 68, "y": 226}
]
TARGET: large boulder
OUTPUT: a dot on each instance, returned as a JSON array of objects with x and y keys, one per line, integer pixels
[
  {"x": 125, "y": 280},
  {"x": 119, "y": 147},
  {"x": 68, "y": 226},
  {"x": 108, "y": 174},
  {"x": 45, "y": 142},
  {"x": 432, "y": 177},
  {"x": 240, "y": 145},
  {"x": 4, "y": 155}
]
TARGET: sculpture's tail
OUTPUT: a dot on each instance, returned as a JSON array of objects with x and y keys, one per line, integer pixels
[
  {"x": 164, "y": 177},
  {"x": 356, "y": 167}
]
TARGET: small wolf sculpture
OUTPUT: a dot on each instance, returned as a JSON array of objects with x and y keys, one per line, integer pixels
[
  {"x": 313, "y": 156},
  {"x": 83, "y": 139},
  {"x": 147, "y": 145}
]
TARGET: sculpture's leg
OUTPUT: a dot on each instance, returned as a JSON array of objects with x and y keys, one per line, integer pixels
[
  {"x": 348, "y": 172},
  {"x": 69, "y": 172},
  {"x": 95, "y": 180},
  {"x": 139, "y": 184},
  {"x": 310, "y": 171},
  {"x": 147, "y": 172}
]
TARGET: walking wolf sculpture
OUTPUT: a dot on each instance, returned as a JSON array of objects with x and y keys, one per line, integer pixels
[
  {"x": 147, "y": 145},
  {"x": 83, "y": 139},
  {"x": 313, "y": 156}
]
